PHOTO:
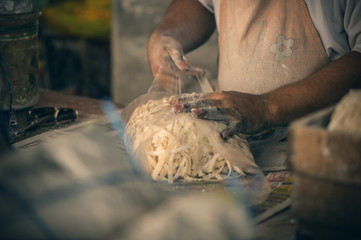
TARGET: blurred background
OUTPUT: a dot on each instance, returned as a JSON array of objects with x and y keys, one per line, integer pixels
[{"x": 98, "y": 48}]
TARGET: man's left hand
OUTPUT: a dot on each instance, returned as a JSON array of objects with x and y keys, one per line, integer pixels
[{"x": 245, "y": 113}]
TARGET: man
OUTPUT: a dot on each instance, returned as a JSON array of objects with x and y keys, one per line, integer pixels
[{"x": 278, "y": 59}]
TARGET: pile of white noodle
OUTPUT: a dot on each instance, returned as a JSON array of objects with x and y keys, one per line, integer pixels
[{"x": 175, "y": 148}]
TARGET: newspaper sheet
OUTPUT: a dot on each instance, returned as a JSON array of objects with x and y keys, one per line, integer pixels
[{"x": 279, "y": 198}]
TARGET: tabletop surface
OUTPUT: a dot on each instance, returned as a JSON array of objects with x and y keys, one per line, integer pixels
[{"x": 281, "y": 226}]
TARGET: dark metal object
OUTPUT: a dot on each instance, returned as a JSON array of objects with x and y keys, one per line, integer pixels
[
  {"x": 19, "y": 50},
  {"x": 50, "y": 116}
]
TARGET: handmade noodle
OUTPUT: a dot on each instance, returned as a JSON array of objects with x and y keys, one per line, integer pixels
[{"x": 175, "y": 147}]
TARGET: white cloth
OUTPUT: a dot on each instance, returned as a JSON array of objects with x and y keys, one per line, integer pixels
[
  {"x": 265, "y": 45},
  {"x": 337, "y": 21}
]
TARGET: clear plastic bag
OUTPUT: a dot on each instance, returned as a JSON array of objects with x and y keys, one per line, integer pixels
[
  {"x": 177, "y": 147},
  {"x": 150, "y": 119},
  {"x": 193, "y": 80}
]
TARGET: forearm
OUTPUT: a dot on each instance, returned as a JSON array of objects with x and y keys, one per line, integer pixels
[
  {"x": 188, "y": 22},
  {"x": 321, "y": 89}
]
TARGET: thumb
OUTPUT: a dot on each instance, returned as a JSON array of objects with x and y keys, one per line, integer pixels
[{"x": 178, "y": 57}]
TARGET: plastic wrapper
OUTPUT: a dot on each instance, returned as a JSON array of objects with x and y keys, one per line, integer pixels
[
  {"x": 177, "y": 147},
  {"x": 180, "y": 148},
  {"x": 182, "y": 81}
]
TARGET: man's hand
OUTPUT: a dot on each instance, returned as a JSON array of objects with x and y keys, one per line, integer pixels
[
  {"x": 171, "y": 70},
  {"x": 242, "y": 112},
  {"x": 186, "y": 25}
]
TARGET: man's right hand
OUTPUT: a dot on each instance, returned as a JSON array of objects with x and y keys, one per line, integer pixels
[{"x": 171, "y": 70}]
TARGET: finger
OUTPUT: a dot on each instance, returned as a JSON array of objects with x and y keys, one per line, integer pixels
[
  {"x": 232, "y": 129},
  {"x": 177, "y": 56},
  {"x": 215, "y": 114},
  {"x": 200, "y": 108},
  {"x": 232, "y": 118},
  {"x": 184, "y": 98},
  {"x": 204, "y": 104},
  {"x": 192, "y": 101}
]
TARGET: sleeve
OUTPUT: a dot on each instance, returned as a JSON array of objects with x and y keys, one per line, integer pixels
[
  {"x": 207, "y": 4},
  {"x": 352, "y": 22},
  {"x": 338, "y": 23}
]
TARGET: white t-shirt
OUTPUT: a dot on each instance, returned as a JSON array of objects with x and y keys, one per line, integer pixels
[{"x": 337, "y": 21}]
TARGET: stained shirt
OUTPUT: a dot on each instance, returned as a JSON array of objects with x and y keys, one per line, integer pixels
[{"x": 338, "y": 23}]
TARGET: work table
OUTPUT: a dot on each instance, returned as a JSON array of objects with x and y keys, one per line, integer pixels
[{"x": 281, "y": 226}]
